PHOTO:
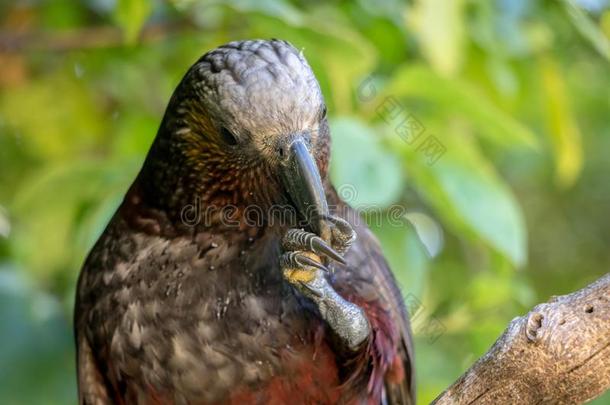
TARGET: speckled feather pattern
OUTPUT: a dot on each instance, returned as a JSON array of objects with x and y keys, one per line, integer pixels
[
  {"x": 171, "y": 314},
  {"x": 167, "y": 312}
]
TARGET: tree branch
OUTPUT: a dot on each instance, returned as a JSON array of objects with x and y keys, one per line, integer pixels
[{"x": 559, "y": 353}]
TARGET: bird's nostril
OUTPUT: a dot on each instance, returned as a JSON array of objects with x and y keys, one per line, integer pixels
[{"x": 280, "y": 152}]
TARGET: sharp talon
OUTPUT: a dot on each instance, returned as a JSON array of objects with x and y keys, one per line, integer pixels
[
  {"x": 318, "y": 245},
  {"x": 340, "y": 223},
  {"x": 335, "y": 220},
  {"x": 304, "y": 260}
]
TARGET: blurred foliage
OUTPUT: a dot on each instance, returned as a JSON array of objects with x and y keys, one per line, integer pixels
[{"x": 514, "y": 210}]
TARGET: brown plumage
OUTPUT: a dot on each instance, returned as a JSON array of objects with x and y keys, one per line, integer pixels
[{"x": 183, "y": 299}]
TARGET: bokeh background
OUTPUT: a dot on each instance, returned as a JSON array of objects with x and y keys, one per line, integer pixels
[{"x": 515, "y": 93}]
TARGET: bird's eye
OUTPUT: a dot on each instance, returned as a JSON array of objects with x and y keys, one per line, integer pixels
[
  {"x": 227, "y": 136},
  {"x": 323, "y": 113}
]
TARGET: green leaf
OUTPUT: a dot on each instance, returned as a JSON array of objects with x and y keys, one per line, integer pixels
[
  {"x": 273, "y": 8},
  {"x": 587, "y": 28},
  {"x": 5, "y": 224},
  {"x": 469, "y": 196},
  {"x": 56, "y": 117},
  {"x": 365, "y": 175},
  {"x": 404, "y": 252},
  {"x": 52, "y": 202},
  {"x": 457, "y": 97},
  {"x": 131, "y": 16},
  {"x": 428, "y": 230}
]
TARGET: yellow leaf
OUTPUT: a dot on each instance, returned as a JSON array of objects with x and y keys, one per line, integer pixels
[
  {"x": 564, "y": 133},
  {"x": 440, "y": 28},
  {"x": 131, "y": 16}
]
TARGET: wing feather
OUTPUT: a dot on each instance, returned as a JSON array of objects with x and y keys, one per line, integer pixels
[
  {"x": 404, "y": 391},
  {"x": 92, "y": 388}
]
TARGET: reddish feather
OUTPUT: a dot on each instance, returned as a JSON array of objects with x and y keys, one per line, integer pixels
[
  {"x": 311, "y": 378},
  {"x": 381, "y": 355},
  {"x": 313, "y": 374}
]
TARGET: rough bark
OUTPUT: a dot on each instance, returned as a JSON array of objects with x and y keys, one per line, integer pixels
[{"x": 559, "y": 353}]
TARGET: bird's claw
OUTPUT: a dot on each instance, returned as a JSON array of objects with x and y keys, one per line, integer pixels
[
  {"x": 304, "y": 266},
  {"x": 342, "y": 235},
  {"x": 298, "y": 239},
  {"x": 301, "y": 268},
  {"x": 301, "y": 259},
  {"x": 306, "y": 252}
]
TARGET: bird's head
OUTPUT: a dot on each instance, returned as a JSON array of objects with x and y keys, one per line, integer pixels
[{"x": 246, "y": 125}]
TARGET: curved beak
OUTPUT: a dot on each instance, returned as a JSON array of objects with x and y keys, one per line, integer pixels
[{"x": 302, "y": 181}]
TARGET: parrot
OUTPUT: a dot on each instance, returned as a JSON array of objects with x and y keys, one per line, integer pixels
[{"x": 232, "y": 272}]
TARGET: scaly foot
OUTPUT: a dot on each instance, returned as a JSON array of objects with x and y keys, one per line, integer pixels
[{"x": 304, "y": 266}]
